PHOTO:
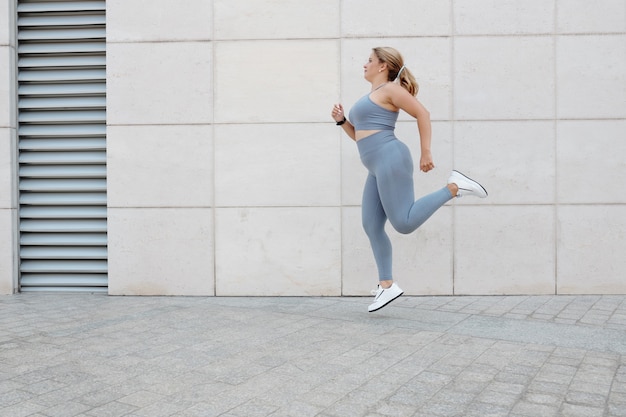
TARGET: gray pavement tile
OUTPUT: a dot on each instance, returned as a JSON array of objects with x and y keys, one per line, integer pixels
[
  {"x": 567, "y": 370},
  {"x": 12, "y": 385},
  {"x": 525, "y": 408},
  {"x": 497, "y": 398},
  {"x": 443, "y": 409},
  {"x": 22, "y": 409},
  {"x": 394, "y": 410},
  {"x": 486, "y": 410},
  {"x": 346, "y": 409},
  {"x": 549, "y": 334},
  {"x": 16, "y": 396},
  {"x": 501, "y": 387},
  {"x": 298, "y": 408},
  {"x": 199, "y": 409},
  {"x": 543, "y": 398},
  {"x": 67, "y": 409},
  {"x": 586, "y": 399},
  {"x": 43, "y": 387},
  {"x": 573, "y": 410},
  {"x": 600, "y": 387},
  {"x": 97, "y": 397},
  {"x": 553, "y": 377},
  {"x": 547, "y": 387},
  {"x": 161, "y": 409},
  {"x": 142, "y": 398},
  {"x": 617, "y": 409},
  {"x": 111, "y": 409}
]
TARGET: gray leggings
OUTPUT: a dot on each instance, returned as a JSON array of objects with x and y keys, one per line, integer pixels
[{"x": 389, "y": 194}]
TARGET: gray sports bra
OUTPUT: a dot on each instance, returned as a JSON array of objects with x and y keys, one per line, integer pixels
[{"x": 367, "y": 115}]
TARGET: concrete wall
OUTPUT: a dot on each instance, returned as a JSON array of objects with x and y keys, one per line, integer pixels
[
  {"x": 226, "y": 175},
  {"x": 8, "y": 200}
]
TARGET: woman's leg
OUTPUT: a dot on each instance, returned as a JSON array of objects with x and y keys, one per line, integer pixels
[
  {"x": 374, "y": 219},
  {"x": 395, "y": 188}
]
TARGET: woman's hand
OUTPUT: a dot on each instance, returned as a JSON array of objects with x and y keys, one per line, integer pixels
[
  {"x": 339, "y": 116},
  {"x": 337, "y": 113},
  {"x": 426, "y": 161}
]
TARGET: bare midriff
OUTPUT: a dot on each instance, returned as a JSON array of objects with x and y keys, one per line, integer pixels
[{"x": 362, "y": 134}]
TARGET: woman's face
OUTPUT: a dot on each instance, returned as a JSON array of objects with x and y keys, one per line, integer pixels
[{"x": 371, "y": 67}]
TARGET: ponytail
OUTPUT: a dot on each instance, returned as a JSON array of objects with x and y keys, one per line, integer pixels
[{"x": 407, "y": 81}]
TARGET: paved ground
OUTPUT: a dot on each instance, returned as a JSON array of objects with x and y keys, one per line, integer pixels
[{"x": 94, "y": 355}]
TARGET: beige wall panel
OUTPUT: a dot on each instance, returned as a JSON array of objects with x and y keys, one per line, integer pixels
[
  {"x": 159, "y": 83},
  {"x": 160, "y": 166},
  {"x": 584, "y": 16},
  {"x": 504, "y": 250},
  {"x": 429, "y": 59},
  {"x": 504, "y": 78},
  {"x": 592, "y": 161},
  {"x": 275, "y": 81},
  {"x": 513, "y": 160},
  {"x": 422, "y": 261},
  {"x": 591, "y": 249},
  {"x": 270, "y": 19},
  {"x": 277, "y": 165},
  {"x": 591, "y": 74},
  {"x": 8, "y": 170},
  {"x": 158, "y": 20},
  {"x": 278, "y": 251},
  {"x": 6, "y": 12},
  {"x": 8, "y": 222},
  {"x": 369, "y": 18},
  {"x": 7, "y": 89},
  {"x": 503, "y": 17},
  {"x": 160, "y": 251},
  {"x": 8, "y": 248}
]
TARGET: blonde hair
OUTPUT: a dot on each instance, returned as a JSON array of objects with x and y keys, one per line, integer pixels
[{"x": 396, "y": 67}]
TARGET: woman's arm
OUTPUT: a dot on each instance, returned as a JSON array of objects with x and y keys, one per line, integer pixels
[
  {"x": 402, "y": 99},
  {"x": 349, "y": 129}
]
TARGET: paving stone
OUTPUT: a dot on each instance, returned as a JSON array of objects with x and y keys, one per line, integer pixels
[
  {"x": 572, "y": 410},
  {"x": 67, "y": 409},
  {"x": 443, "y": 409},
  {"x": 506, "y": 388},
  {"x": 498, "y": 398},
  {"x": 586, "y": 398},
  {"x": 547, "y": 399},
  {"x": 547, "y": 388},
  {"x": 485, "y": 410},
  {"x": 22, "y": 409},
  {"x": 526, "y": 408},
  {"x": 617, "y": 409},
  {"x": 112, "y": 409}
]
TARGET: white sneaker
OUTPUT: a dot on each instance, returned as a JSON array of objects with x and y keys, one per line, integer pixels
[
  {"x": 383, "y": 296},
  {"x": 467, "y": 186}
]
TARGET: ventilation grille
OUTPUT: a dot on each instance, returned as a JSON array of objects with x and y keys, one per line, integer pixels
[{"x": 62, "y": 145}]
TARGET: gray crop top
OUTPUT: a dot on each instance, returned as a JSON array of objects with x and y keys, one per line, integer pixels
[{"x": 367, "y": 115}]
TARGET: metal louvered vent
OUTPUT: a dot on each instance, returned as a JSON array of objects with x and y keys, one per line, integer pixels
[{"x": 62, "y": 145}]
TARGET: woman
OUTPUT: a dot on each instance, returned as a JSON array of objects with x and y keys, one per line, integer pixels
[{"x": 388, "y": 192}]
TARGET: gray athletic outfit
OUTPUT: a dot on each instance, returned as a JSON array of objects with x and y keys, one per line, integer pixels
[{"x": 388, "y": 192}]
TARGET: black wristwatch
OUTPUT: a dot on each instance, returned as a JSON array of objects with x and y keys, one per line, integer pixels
[{"x": 342, "y": 122}]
